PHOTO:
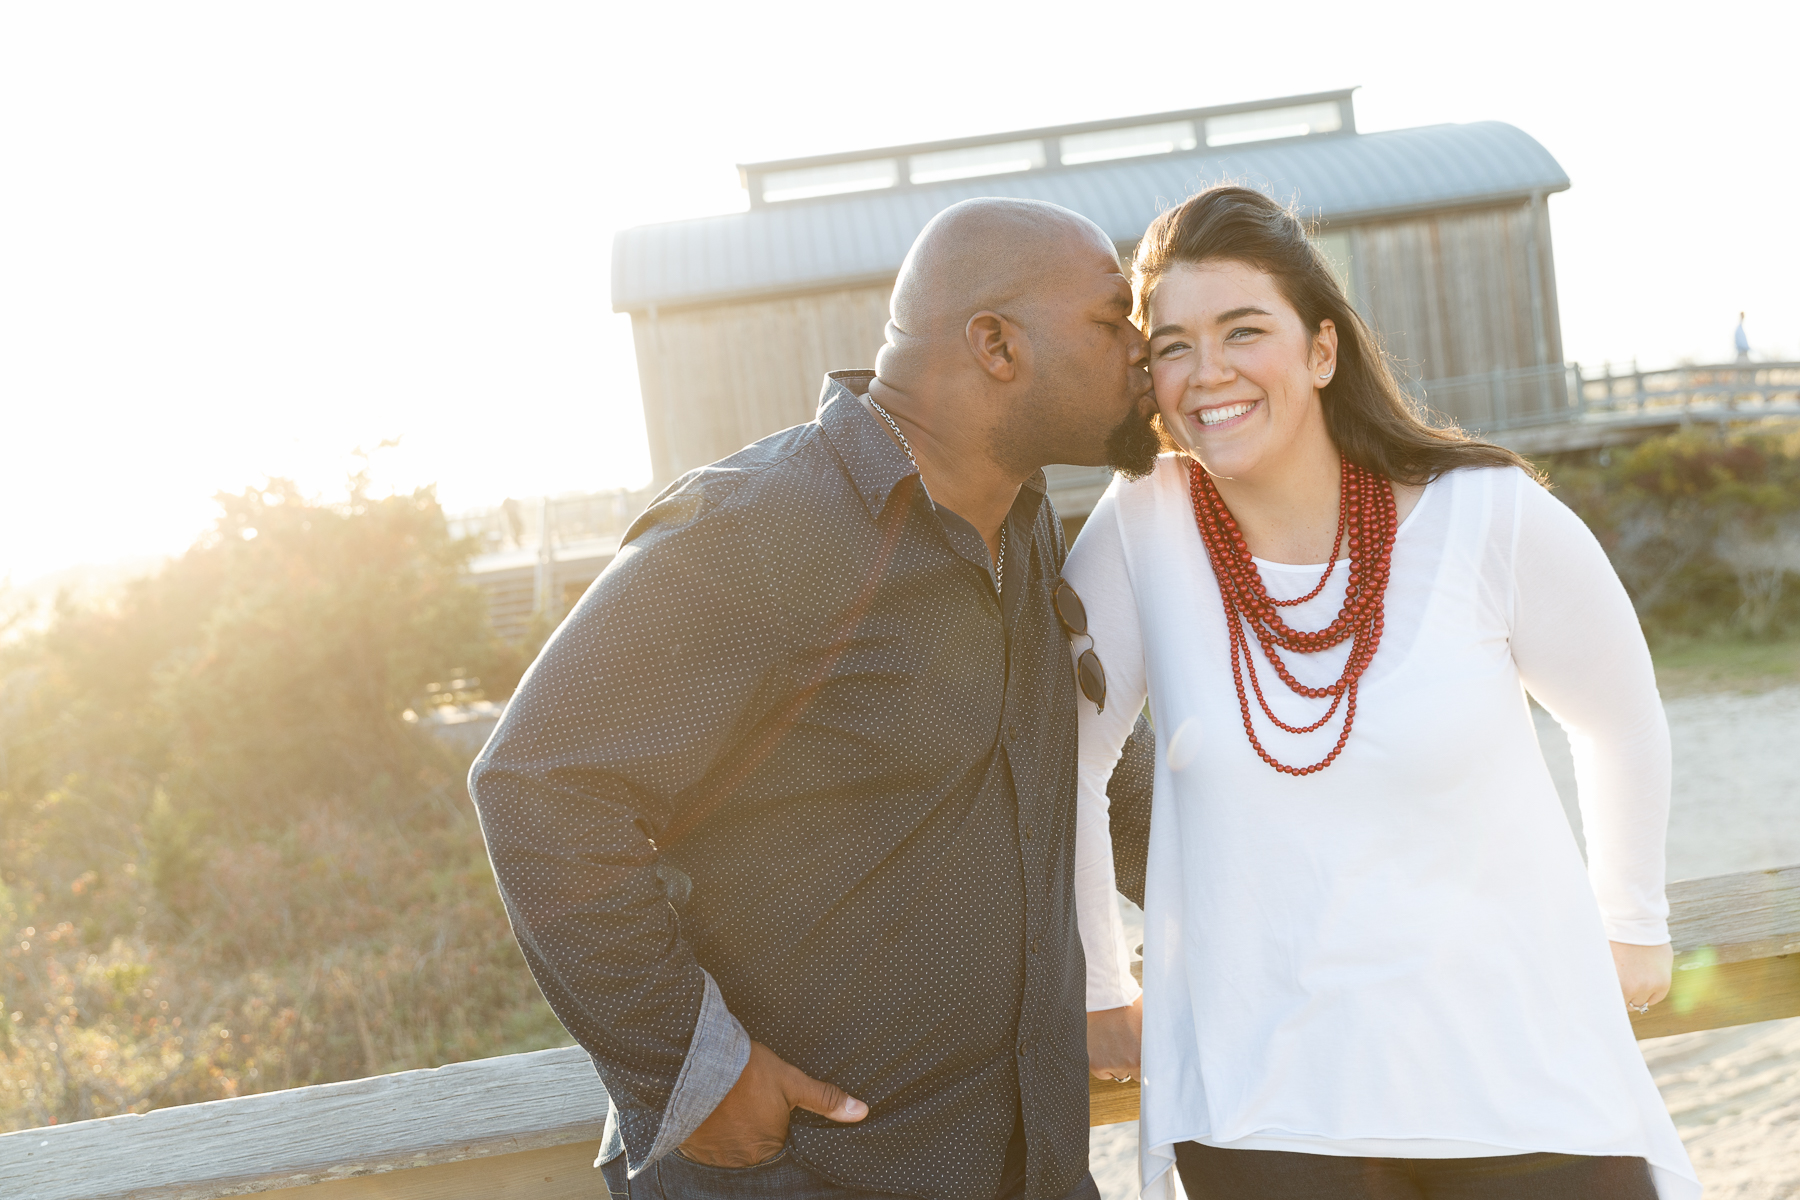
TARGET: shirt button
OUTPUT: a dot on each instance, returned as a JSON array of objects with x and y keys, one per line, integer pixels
[
  {"x": 1012, "y": 731},
  {"x": 1027, "y": 833},
  {"x": 1021, "y": 1047},
  {"x": 1036, "y": 944}
]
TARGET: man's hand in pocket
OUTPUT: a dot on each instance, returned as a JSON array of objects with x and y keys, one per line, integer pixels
[{"x": 751, "y": 1123}]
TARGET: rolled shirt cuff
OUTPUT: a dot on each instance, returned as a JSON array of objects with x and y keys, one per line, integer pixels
[
  {"x": 716, "y": 1056},
  {"x": 1123, "y": 995},
  {"x": 1647, "y": 931}
]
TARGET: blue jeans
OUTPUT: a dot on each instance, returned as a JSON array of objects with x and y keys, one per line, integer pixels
[{"x": 781, "y": 1178}]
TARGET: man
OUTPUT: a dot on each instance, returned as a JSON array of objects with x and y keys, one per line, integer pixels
[{"x": 783, "y": 814}]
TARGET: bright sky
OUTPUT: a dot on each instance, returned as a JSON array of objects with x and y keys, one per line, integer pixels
[{"x": 243, "y": 239}]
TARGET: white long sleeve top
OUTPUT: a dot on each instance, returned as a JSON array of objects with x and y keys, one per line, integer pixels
[{"x": 1401, "y": 955}]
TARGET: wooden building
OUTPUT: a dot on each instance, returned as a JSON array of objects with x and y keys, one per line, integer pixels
[
  {"x": 535, "y": 559},
  {"x": 1441, "y": 233}
]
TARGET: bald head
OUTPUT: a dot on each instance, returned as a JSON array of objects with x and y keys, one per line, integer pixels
[
  {"x": 989, "y": 254},
  {"x": 1010, "y": 340}
]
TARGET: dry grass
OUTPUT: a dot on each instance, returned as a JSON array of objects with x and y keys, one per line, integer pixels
[
  {"x": 228, "y": 864},
  {"x": 349, "y": 944},
  {"x": 1712, "y": 665}
]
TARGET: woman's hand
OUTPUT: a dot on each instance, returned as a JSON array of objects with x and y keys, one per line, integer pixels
[
  {"x": 1643, "y": 975},
  {"x": 1115, "y": 1041}
]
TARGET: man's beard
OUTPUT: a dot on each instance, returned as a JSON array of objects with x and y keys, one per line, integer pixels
[{"x": 1133, "y": 444}]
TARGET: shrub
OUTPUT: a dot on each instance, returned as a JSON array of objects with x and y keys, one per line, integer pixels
[
  {"x": 1703, "y": 527},
  {"x": 228, "y": 863}
]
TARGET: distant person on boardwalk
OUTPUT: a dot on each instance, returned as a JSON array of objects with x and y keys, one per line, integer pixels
[
  {"x": 784, "y": 813},
  {"x": 1374, "y": 965},
  {"x": 1742, "y": 341}
]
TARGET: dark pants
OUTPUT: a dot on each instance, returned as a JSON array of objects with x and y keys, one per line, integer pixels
[
  {"x": 781, "y": 1178},
  {"x": 1208, "y": 1173}
]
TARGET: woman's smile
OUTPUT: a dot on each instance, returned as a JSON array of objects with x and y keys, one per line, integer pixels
[
  {"x": 1224, "y": 416},
  {"x": 1236, "y": 370}
]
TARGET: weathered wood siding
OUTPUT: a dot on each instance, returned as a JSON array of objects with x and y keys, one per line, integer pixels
[
  {"x": 716, "y": 379},
  {"x": 1460, "y": 293},
  {"x": 1451, "y": 294}
]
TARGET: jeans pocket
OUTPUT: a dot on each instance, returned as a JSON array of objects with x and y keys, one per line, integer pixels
[
  {"x": 612, "y": 1173},
  {"x": 770, "y": 1161},
  {"x": 779, "y": 1177}
]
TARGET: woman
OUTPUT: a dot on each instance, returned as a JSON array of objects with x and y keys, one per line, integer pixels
[{"x": 1374, "y": 965}]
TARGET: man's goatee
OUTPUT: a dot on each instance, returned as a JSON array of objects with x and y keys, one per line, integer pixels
[{"x": 1132, "y": 446}]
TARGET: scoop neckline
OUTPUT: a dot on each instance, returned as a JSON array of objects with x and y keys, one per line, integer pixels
[{"x": 1275, "y": 566}]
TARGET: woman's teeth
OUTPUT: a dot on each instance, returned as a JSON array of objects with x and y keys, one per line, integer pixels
[{"x": 1213, "y": 416}]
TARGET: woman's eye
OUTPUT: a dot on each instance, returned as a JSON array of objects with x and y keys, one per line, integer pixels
[
  {"x": 1171, "y": 348},
  {"x": 1242, "y": 332}
]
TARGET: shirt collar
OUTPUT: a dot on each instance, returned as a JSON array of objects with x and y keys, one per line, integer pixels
[{"x": 876, "y": 465}]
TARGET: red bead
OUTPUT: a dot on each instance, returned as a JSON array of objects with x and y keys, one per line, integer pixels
[{"x": 1366, "y": 526}]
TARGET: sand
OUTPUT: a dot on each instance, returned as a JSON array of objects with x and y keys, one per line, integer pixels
[
  {"x": 1734, "y": 1093},
  {"x": 1735, "y": 1097}
]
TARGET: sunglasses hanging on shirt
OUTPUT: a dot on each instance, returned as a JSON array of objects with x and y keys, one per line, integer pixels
[{"x": 1088, "y": 671}]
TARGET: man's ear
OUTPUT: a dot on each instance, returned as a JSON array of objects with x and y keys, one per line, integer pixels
[{"x": 997, "y": 344}]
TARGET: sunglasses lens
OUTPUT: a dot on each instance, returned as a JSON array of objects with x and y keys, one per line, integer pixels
[
  {"x": 1092, "y": 676},
  {"x": 1070, "y": 608}
]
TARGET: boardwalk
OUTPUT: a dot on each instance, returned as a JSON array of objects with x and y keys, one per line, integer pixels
[{"x": 1543, "y": 410}]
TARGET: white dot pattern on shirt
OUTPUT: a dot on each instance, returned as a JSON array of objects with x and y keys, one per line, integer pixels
[{"x": 808, "y": 708}]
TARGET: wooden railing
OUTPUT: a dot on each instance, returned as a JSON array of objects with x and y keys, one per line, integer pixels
[
  {"x": 528, "y": 1125},
  {"x": 1563, "y": 406}
]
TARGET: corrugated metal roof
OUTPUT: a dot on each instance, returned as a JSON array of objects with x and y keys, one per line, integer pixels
[{"x": 807, "y": 244}]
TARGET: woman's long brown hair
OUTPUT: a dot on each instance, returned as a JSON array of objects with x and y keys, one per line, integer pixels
[{"x": 1369, "y": 419}]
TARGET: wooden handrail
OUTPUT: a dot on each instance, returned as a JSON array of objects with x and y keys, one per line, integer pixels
[
  {"x": 532, "y": 1122},
  {"x": 519, "y": 1107},
  {"x": 1737, "y": 953}
]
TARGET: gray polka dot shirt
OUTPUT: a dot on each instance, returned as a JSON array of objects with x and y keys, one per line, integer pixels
[{"x": 791, "y": 769}]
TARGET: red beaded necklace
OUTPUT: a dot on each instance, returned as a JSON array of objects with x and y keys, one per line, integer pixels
[{"x": 1366, "y": 520}]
